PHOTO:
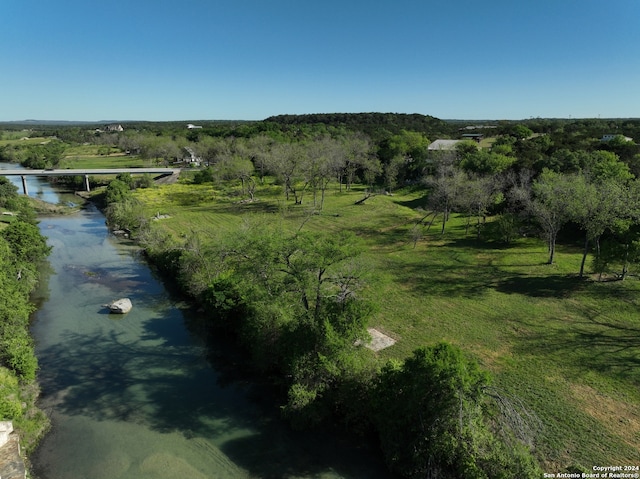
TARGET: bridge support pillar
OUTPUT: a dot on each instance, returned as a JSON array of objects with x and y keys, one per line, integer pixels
[
  {"x": 24, "y": 185},
  {"x": 86, "y": 183}
]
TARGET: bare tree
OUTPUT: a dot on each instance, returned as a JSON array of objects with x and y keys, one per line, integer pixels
[
  {"x": 553, "y": 204},
  {"x": 286, "y": 162},
  {"x": 446, "y": 186}
]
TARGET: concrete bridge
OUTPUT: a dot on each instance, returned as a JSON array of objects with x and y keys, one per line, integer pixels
[{"x": 86, "y": 172}]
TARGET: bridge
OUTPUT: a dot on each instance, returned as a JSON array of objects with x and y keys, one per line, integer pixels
[{"x": 86, "y": 172}]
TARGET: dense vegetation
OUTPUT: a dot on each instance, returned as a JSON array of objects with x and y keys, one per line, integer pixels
[
  {"x": 22, "y": 248},
  {"x": 302, "y": 231}
]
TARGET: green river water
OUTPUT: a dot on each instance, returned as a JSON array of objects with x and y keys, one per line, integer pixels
[{"x": 135, "y": 396}]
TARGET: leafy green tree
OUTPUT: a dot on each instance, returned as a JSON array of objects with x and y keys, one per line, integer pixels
[
  {"x": 392, "y": 170},
  {"x": 485, "y": 162},
  {"x": 205, "y": 175},
  {"x": 8, "y": 190},
  {"x": 553, "y": 204},
  {"x": 599, "y": 206},
  {"x": 237, "y": 168},
  {"x": 117, "y": 191},
  {"x": 358, "y": 156},
  {"x": 412, "y": 146},
  {"x": 430, "y": 415},
  {"x": 127, "y": 179},
  {"x": 564, "y": 160},
  {"x": 521, "y": 132},
  {"x": 293, "y": 300},
  {"x": 602, "y": 165},
  {"x": 126, "y": 214},
  {"x": 28, "y": 245}
]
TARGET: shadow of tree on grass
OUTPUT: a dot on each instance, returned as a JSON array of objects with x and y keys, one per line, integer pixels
[
  {"x": 594, "y": 343},
  {"x": 551, "y": 286}
]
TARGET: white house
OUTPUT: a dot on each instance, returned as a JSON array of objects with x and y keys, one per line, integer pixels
[{"x": 606, "y": 138}]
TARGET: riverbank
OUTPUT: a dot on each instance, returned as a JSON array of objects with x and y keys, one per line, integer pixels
[{"x": 22, "y": 250}]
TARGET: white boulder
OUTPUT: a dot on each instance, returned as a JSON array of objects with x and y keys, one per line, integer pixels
[{"x": 120, "y": 306}]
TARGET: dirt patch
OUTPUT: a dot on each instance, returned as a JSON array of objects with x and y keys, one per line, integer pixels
[{"x": 620, "y": 418}]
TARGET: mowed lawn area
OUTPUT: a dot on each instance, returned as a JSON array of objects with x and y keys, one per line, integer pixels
[
  {"x": 88, "y": 156},
  {"x": 566, "y": 350}
]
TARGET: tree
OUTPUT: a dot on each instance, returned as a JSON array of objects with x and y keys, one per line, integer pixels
[
  {"x": 445, "y": 187},
  {"x": 477, "y": 194},
  {"x": 28, "y": 244},
  {"x": 484, "y": 162},
  {"x": 324, "y": 153},
  {"x": 553, "y": 204},
  {"x": 295, "y": 303},
  {"x": 117, "y": 191},
  {"x": 602, "y": 165},
  {"x": 520, "y": 132},
  {"x": 8, "y": 191},
  {"x": 238, "y": 168},
  {"x": 412, "y": 146},
  {"x": 358, "y": 155},
  {"x": 429, "y": 413},
  {"x": 259, "y": 148},
  {"x": 392, "y": 170},
  {"x": 286, "y": 163},
  {"x": 599, "y": 206}
]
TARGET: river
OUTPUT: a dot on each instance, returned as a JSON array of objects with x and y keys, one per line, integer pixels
[{"x": 135, "y": 396}]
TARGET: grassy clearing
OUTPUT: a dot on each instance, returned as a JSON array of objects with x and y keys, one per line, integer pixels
[
  {"x": 118, "y": 160},
  {"x": 21, "y": 139},
  {"x": 567, "y": 348}
]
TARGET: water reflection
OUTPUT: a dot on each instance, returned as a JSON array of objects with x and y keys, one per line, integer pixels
[
  {"x": 37, "y": 186},
  {"x": 135, "y": 396}
]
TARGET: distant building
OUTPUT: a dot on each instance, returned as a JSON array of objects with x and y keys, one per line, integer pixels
[
  {"x": 443, "y": 145},
  {"x": 192, "y": 127},
  {"x": 606, "y": 138},
  {"x": 477, "y": 137},
  {"x": 114, "y": 127}
]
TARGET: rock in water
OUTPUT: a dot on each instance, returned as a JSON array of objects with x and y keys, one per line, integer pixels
[{"x": 121, "y": 306}]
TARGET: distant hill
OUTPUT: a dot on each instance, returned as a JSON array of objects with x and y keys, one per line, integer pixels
[
  {"x": 375, "y": 125},
  {"x": 52, "y": 122}
]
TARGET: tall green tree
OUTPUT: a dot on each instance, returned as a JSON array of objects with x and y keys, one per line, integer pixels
[
  {"x": 430, "y": 415},
  {"x": 553, "y": 204},
  {"x": 599, "y": 205}
]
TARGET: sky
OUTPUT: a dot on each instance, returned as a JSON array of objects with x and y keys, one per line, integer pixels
[{"x": 163, "y": 60}]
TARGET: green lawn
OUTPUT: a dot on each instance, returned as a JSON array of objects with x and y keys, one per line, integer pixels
[
  {"x": 20, "y": 138},
  {"x": 568, "y": 349},
  {"x": 105, "y": 161}
]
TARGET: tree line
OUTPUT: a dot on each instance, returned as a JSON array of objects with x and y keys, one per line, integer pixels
[{"x": 22, "y": 249}]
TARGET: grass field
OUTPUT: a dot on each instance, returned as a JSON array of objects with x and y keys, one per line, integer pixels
[
  {"x": 88, "y": 156},
  {"x": 19, "y": 138},
  {"x": 569, "y": 349}
]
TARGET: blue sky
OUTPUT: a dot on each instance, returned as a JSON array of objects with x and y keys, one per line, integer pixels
[{"x": 208, "y": 59}]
